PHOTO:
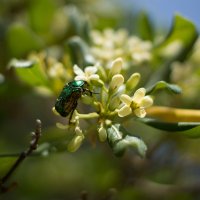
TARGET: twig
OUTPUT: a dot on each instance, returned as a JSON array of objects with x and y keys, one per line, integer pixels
[{"x": 33, "y": 145}]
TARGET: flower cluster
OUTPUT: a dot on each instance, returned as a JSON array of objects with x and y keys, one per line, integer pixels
[
  {"x": 110, "y": 44},
  {"x": 115, "y": 99}
]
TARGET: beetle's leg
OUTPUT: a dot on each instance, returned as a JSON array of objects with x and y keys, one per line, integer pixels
[
  {"x": 72, "y": 112},
  {"x": 88, "y": 92}
]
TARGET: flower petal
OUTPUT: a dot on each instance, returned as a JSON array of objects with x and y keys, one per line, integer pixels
[
  {"x": 124, "y": 111},
  {"x": 90, "y": 70},
  {"x": 80, "y": 77},
  {"x": 126, "y": 99},
  {"x": 139, "y": 95},
  {"x": 94, "y": 77},
  {"x": 78, "y": 70},
  {"x": 140, "y": 112},
  {"x": 146, "y": 102}
]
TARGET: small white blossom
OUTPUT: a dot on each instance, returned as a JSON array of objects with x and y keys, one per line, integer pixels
[
  {"x": 139, "y": 50},
  {"x": 88, "y": 74},
  {"x": 136, "y": 104}
]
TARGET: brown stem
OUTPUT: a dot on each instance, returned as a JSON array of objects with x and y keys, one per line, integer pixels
[{"x": 33, "y": 145}]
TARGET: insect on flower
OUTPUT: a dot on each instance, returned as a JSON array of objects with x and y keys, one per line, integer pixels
[{"x": 67, "y": 101}]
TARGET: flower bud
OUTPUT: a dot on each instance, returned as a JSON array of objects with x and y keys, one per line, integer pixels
[
  {"x": 116, "y": 82},
  {"x": 76, "y": 141},
  {"x": 132, "y": 81},
  {"x": 102, "y": 134},
  {"x": 116, "y": 67}
]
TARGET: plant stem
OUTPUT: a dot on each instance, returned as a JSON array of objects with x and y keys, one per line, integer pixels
[
  {"x": 33, "y": 145},
  {"x": 174, "y": 114}
]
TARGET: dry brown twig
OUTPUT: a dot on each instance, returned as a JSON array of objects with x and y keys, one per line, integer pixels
[{"x": 33, "y": 146}]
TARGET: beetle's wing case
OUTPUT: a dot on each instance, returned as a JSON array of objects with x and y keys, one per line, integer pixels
[{"x": 62, "y": 99}]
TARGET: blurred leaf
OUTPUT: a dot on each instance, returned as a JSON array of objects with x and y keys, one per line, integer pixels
[
  {"x": 162, "y": 85},
  {"x": 80, "y": 52},
  {"x": 21, "y": 40},
  {"x": 192, "y": 133},
  {"x": 2, "y": 78},
  {"x": 5, "y": 164},
  {"x": 29, "y": 72},
  {"x": 41, "y": 15},
  {"x": 179, "y": 40},
  {"x": 145, "y": 27},
  {"x": 119, "y": 144},
  {"x": 78, "y": 24},
  {"x": 169, "y": 126},
  {"x": 176, "y": 46}
]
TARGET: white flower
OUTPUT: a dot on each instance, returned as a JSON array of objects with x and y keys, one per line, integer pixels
[
  {"x": 136, "y": 104},
  {"x": 86, "y": 75},
  {"x": 139, "y": 50}
]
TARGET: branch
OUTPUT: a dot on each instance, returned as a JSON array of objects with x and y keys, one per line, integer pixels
[{"x": 33, "y": 145}]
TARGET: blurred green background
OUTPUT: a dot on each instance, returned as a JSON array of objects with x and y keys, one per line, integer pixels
[{"x": 172, "y": 167}]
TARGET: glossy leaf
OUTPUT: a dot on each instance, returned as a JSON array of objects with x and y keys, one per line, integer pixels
[
  {"x": 162, "y": 85},
  {"x": 169, "y": 126}
]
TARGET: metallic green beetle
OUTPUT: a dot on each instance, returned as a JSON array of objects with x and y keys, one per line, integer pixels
[{"x": 67, "y": 101}]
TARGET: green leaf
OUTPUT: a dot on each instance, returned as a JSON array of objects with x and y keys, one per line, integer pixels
[
  {"x": 169, "y": 126},
  {"x": 114, "y": 135},
  {"x": 179, "y": 40},
  {"x": 41, "y": 15},
  {"x": 192, "y": 133},
  {"x": 80, "y": 52},
  {"x": 119, "y": 144},
  {"x": 21, "y": 40},
  {"x": 30, "y": 72},
  {"x": 145, "y": 27},
  {"x": 78, "y": 24},
  {"x": 162, "y": 85},
  {"x": 175, "y": 47},
  {"x": 2, "y": 78},
  {"x": 130, "y": 141}
]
